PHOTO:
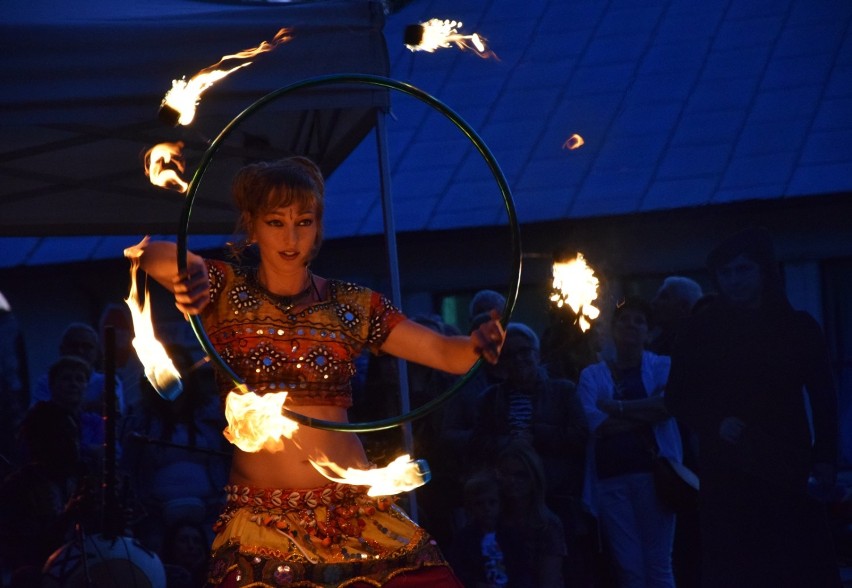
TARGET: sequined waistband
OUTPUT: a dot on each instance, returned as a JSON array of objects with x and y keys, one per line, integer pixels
[{"x": 290, "y": 499}]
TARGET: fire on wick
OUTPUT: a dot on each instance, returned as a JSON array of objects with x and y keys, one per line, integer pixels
[
  {"x": 575, "y": 141},
  {"x": 179, "y": 103},
  {"x": 575, "y": 285},
  {"x": 157, "y": 161},
  {"x": 436, "y": 33},
  {"x": 159, "y": 369},
  {"x": 255, "y": 422},
  {"x": 401, "y": 475}
]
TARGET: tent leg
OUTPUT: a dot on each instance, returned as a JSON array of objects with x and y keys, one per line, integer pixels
[{"x": 396, "y": 293}]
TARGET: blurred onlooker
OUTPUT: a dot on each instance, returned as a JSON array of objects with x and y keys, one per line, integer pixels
[
  {"x": 482, "y": 552},
  {"x": 484, "y": 301},
  {"x": 460, "y": 413},
  {"x": 623, "y": 397},
  {"x": 537, "y": 530},
  {"x": 174, "y": 452},
  {"x": 36, "y": 499},
  {"x": 68, "y": 378},
  {"x": 565, "y": 347},
  {"x": 14, "y": 383},
  {"x": 184, "y": 554},
  {"x": 672, "y": 305},
  {"x": 81, "y": 340},
  {"x": 547, "y": 413},
  {"x": 751, "y": 376}
]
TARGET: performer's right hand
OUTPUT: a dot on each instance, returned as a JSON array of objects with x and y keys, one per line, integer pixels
[{"x": 192, "y": 289}]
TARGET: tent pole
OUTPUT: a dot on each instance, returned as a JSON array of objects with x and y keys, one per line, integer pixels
[{"x": 396, "y": 292}]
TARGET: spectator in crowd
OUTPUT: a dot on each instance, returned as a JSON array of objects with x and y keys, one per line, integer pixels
[
  {"x": 484, "y": 302},
  {"x": 14, "y": 383},
  {"x": 672, "y": 305},
  {"x": 37, "y": 500},
  {"x": 175, "y": 453},
  {"x": 747, "y": 375},
  {"x": 68, "y": 378},
  {"x": 81, "y": 340},
  {"x": 482, "y": 551},
  {"x": 623, "y": 399},
  {"x": 459, "y": 413},
  {"x": 537, "y": 530},
  {"x": 184, "y": 555},
  {"x": 546, "y": 413}
]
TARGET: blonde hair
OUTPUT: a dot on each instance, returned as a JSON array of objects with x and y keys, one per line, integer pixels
[{"x": 261, "y": 187}]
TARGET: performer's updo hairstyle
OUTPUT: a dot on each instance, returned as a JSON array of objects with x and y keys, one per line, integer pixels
[{"x": 261, "y": 187}]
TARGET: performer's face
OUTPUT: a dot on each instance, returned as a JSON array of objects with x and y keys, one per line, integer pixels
[{"x": 286, "y": 237}]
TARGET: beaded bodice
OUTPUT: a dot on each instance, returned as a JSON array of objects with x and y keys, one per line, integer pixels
[{"x": 308, "y": 353}]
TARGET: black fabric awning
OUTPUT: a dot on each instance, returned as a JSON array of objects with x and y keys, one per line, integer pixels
[{"x": 82, "y": 86}]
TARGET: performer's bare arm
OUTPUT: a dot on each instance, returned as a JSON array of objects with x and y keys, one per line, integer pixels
[{"x": 453, "y": 354}]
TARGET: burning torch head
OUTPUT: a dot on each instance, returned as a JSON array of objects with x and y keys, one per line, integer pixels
[
  {"x": 168, "y": 115},
  {"x": 413, "y": 35}
]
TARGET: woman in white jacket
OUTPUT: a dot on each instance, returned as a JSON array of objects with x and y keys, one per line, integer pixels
[{"x": 623, "y": 400}]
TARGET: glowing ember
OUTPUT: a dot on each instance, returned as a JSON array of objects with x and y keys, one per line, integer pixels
[
  {"x": 159, "y": 369},
  {"x": 575, "y": 141},
  {"x": 401, "y": 475},
  {"x": 575, "y": 284},
  {"x": 157, "y": 161},
  {"x": 255, "y": 422},
  {"x": 436, "y": 34},
  {"x": 178, "y": 107}
]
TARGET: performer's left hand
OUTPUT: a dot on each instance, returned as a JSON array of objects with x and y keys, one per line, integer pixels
[{"x": 489, "y": 337}]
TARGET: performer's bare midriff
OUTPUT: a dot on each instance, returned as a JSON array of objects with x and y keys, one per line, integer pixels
[{"x": 290, "y": 468}]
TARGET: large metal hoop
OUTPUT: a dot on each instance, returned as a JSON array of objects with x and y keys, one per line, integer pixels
[{"x": 371, "y": 80}]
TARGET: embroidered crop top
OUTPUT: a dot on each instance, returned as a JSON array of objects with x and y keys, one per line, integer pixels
[{"x": 308, "y": 353}]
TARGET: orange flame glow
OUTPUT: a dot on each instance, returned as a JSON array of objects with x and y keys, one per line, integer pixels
[
  {"x": 255, "y": 422},
  {"x": 575, "y": 141},
  {"x": 185, "y": 95},
  {"x": 401, "y": 475},
  {"x": 159, "y": 369},
  {"x": 575, "y": 284},
  {"x": 157, "y": 161},
  {"x": 436, "y": 34}
]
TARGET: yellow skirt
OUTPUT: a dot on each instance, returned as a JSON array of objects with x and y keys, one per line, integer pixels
[{"x": 334, "y": 535}]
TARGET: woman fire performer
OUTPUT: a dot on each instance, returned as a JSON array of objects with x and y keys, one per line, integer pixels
[{"x": 283, "y": 329}]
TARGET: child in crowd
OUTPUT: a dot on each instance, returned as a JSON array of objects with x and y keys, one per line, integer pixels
[{"x": 480, "y": 553}]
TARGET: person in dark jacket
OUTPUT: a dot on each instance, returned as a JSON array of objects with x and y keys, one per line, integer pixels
[{"x": 742, "y": 375}]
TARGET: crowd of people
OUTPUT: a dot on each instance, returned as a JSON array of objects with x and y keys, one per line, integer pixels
[{"x": 543, "y": 463}]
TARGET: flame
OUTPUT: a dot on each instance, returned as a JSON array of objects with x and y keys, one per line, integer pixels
[
  {"x": 575, "y": 141},
  {"x": 159, "y": 369},
  {"x": 401, "y": 475},
  {"x": 157, "y": 160},
  {"x": 185, "y": 94},
  {"x": 436, "y": 33},
  {"x": 575, "y": 284},
  {"x": 255, "y": 422}
]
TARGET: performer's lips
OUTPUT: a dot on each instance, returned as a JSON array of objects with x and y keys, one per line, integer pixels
[{"x": 289, "y": 254}]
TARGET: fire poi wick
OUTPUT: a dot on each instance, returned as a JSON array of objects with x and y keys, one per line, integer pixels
[{"x": 482, "y": 148}]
